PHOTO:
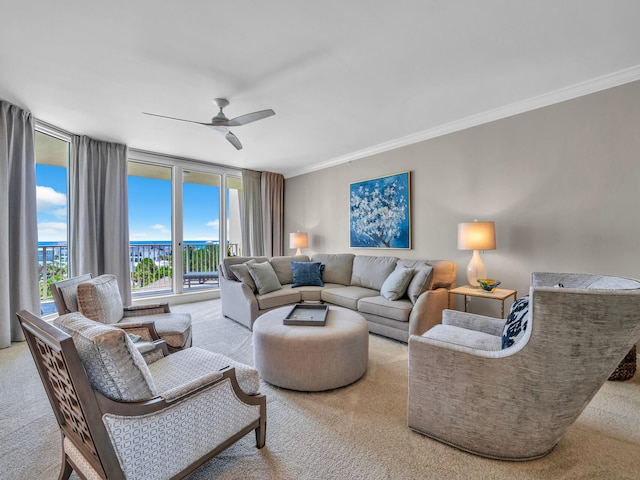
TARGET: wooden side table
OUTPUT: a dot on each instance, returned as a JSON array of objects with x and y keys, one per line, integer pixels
[{"x": 469, "y": 291}]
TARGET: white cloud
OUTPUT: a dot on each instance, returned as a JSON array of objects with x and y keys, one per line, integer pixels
[
  {"x": 52, "y": 231},
  {"x": 158, "y": 226},
  {"x": 48, "y": 200},
  {"x": 214, "y": 223},
  {"x": 138, "y": 236}
]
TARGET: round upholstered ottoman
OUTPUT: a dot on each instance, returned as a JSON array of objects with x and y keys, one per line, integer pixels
[{"x": 311, "y": 358}]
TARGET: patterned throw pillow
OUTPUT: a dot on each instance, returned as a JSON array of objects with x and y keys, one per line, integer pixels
[
  {"x": 307, "y": 273},
  {"x": 516, "y": 324},
  {"x": 113, "y": 364}
]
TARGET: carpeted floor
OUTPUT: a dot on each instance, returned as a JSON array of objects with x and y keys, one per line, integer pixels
[{"x": 356, "y": 432}]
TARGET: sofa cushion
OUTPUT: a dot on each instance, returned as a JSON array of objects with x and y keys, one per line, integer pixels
[
  {"x": 307, "y": 273},
  {"x": 463, "y": 337},
  {"x": 422, "y": 279},
  {"x": 395, "y": 286},
  {"x": 371, "y": 272},
  {"x": 99, "y": 299},
  {"x": 282, "y": 267},
  {"x": 278, "y": 298},
  {"x": 113, "y": 364},
  {"x": 241, "y": 271},
  {"x": 516, "y": 325},
  {"x": 347, "y": 296},
  {"x": 337, "y": 267},
  {"x": 264, "y": 276},
  {"x": 193, "y": 363},
  {"x": 399, "y": 310}
]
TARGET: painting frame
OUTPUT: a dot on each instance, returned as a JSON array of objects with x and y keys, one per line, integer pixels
[{"x": 380, "y": 212}]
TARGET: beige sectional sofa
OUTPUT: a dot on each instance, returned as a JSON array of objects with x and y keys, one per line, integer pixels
[{"x": 351, "y": 281}]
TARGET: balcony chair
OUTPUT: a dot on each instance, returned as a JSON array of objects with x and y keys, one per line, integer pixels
[
  {"x": 516, "y": 403},
  {"x": 99, "y": 299},
  {"x": 121, "y": 418}
]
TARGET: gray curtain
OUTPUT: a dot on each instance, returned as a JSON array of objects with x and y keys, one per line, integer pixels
[
  {"x": 273, "y": 213},
  {"x": 251, "y": 213},
  {"x": 99, "y": 221},
  {"x": 18, "y": 221}
]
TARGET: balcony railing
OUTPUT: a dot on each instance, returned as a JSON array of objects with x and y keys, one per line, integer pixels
[
  {"x": 53, "y": 261},
  {"x": 151, "y": 266}
]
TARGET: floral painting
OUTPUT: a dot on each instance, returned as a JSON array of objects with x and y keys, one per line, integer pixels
[{"x": 379, "y": 212}]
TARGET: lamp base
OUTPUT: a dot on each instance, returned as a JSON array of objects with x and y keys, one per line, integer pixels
[
  {"x": 476, "y": 269},
  {"x": 298, "y": 253}
]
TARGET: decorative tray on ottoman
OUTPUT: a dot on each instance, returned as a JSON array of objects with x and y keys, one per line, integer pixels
[{"x": 307, "y": 314}]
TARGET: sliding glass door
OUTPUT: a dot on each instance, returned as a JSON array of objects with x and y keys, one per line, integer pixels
[
  {"x": 184, "y": 216},
  {"x": 150, "y": 228},
  {"x": 201, "y": 229}
]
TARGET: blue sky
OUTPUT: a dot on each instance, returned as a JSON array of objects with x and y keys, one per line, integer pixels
[{"x": 149, "y": 208}]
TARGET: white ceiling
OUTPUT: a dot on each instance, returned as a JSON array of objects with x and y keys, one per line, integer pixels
[{"x": 345, "y": 79}]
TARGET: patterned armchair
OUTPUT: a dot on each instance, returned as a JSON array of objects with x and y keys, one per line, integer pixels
[
  {"x": 516, "y": 403},
  {"x": 121, "y": 418},
  {"x": 99, "y": 299}
]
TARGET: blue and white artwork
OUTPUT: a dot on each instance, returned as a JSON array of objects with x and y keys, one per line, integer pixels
[{"x": 379, "y": 212}]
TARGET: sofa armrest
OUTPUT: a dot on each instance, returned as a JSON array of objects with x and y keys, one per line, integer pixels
[
  {"x": 427, "y": 310},
  {"x": 145, "y": 329},
  {"x": 472, "y": 321},
  {"x": 141, "y": 310},
  {"x": 238, "y": 302}
]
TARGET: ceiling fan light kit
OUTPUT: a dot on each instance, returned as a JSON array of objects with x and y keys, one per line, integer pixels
[{"x": 220, "y": 122}]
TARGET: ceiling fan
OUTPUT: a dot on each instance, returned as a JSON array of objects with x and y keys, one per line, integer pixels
[{"x": 220, "y": 122}]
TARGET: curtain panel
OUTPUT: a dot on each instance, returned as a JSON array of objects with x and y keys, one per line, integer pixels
[
  {"x": 273, "y": 213},
  {"x": 99, "y": 221},
  {"x": 251, "y": 213},
  {"x": 18, "y": 221}
]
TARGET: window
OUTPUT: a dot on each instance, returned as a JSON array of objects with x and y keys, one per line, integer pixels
[{"x": 52, "y": 162}]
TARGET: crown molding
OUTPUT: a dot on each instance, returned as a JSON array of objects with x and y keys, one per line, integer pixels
[{"x": 574, "y": 91}]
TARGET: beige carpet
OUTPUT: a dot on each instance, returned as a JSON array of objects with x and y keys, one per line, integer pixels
[{"x": 357, "y": 432}]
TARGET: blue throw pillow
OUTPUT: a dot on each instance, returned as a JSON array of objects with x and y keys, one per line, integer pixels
[
  {"x": 516, "y": 324},
  {"x": 307, "y": 273}
]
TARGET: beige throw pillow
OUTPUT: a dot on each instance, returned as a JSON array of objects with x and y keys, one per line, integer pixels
[
  {"x": 242, "y": 272},
  {"x": 264, "y": 277}
]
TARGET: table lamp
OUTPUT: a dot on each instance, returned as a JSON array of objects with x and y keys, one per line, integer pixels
[
  {"x": 476, "y": 236},
  {"x": 298, "y": 240}
]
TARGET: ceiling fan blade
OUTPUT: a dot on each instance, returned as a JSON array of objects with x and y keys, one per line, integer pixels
[
  {"x": 224, "y": 131},
  {"x": 233, "y": 140},
  {"x": 174, "y": 118},
  {"x": 249, "y": 117}
]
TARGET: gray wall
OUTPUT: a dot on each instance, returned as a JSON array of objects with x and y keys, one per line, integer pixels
[{"x": 562, "y": 184}]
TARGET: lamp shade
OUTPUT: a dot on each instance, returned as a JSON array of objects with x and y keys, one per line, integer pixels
[
  {"x": 298, "y": 240},
  {"x": 477, "y": 236}
]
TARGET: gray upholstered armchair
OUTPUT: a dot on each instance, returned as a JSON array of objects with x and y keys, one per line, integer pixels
[
  {"x": 121, "y": 418},
  {"x": 516, "y": 403},
  {"x": 99, "y": 299}
]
